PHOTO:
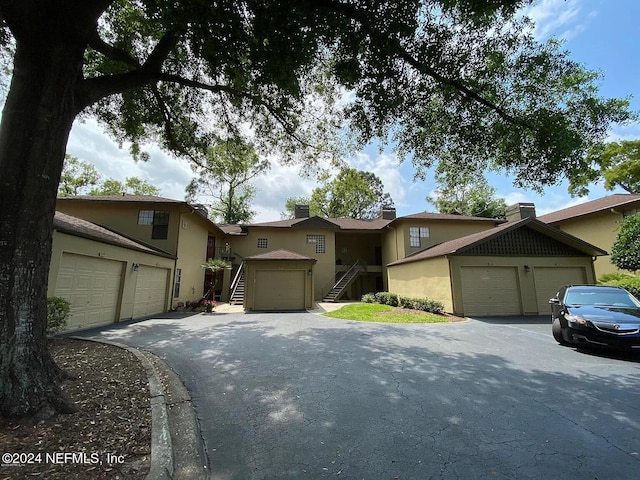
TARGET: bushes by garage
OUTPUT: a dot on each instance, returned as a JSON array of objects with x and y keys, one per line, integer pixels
[
  {"x": 631, "y": 283},
  {"x": 395, "y": 300}
]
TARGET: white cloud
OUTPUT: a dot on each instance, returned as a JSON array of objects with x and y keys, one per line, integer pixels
[
  {"x": 89, "y": 143},
  {"x": 386, "y": 167},
  {"x": 557, "y": 18}
]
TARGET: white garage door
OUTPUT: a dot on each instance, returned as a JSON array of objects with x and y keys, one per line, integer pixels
[
  {"x": 279, "y": 290},
  {"x": 490, "y": 291},
  {"x": 550, "y": 279},
  {"x": 151, "y": 291},
  {"x": 92, "y": 285}
]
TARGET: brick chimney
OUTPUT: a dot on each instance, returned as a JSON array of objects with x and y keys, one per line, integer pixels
[
  {"x": 388, "y": 213},
  {"x": 302, "y": 211},
  {"x": 520, "y": 211}
]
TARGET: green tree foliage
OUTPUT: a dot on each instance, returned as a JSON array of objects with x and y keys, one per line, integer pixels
[
  {"x": 466, "y": 193},
  {"x": 436, "y": 77},
  {"x": 625, "y": 252},
  {"x": 131, "y": 186},
  {"x": 617, "y": 163},
  {"x": 77, "y": 177},
  {"x": 351, "y": 193},
  {"x": 225, "y": 177}
]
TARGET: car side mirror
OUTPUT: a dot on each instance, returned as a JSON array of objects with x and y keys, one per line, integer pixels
[{"x": 554, "y": 301}]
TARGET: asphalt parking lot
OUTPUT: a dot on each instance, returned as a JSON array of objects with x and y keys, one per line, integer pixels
[{"x": 298, "y": 395}]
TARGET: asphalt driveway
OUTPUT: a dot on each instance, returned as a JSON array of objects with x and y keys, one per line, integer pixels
[{"x": 299, "y": 395}]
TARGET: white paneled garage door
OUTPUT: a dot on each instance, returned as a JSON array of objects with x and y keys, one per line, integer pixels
[
  {"x": 92, "y": 285},
  {"x": 279, "y": 290},
  {"x": 151, "y": 291},
  {"x": 490, "y": 291},
  {"x": 549, "y": 280}
]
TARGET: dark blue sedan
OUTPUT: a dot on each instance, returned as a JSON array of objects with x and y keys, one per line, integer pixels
[{"x": 595, "y": 315}]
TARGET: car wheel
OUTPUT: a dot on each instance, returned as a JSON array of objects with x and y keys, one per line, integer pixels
[{"x": 558, "y": 334}]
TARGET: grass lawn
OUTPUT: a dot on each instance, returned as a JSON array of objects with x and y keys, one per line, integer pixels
[{"x": 374, "y": 312}]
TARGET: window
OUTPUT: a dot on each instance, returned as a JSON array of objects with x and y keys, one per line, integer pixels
[
  {"x": 160, "y": 225},
  {"x": 416, "y": 233},
  {"x": 630, "y": 213},
  {"x": 145, "y": 217},
  {"x": 176, "y": 286},
  {"x": 318, "y": 240},
  {"x": 262, "y": 243},
  {"x": 158, "y": 219}
]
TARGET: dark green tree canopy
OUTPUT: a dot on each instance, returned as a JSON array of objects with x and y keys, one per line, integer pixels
[
  {"x": 625, "y": 252},
  {"x": 617, "y": 163}
]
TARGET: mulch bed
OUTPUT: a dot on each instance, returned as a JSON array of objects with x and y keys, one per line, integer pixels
[{"x": 109, "y": 436}]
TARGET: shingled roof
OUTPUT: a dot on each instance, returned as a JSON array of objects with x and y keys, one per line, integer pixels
[
  {"x": 617, "y": 201},
  {"x": 462, "y": 244},
  {"x": 120, "y": 198},
  {"x": 81, "y": 228},
  {"x": 281, "y": 254}
]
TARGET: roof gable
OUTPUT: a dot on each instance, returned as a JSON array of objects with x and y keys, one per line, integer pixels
[
  {"x": 506, "y": 240},
  {"x": 622, "y": 201},
  {"x": 281, "y": 254},
  {"x": 82, "y": 228}
]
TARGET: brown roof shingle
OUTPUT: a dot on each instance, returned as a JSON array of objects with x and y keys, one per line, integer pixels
[
  {"x": 82, "y": 228},
  {"x": 280, "y": 254},
  {"x": 594, "y": 206},
  {"x": 461, "y": 244}
]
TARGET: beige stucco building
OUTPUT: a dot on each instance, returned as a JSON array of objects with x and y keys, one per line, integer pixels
[
  {"x": 473, "y": 265},
  {"x": 512, "y": 269},
  {"x": 107, "y": 277},
  {"x": 596, "y": 222}
]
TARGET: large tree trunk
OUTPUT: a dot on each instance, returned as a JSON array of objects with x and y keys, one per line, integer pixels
[{"x": 37, "y": 118}]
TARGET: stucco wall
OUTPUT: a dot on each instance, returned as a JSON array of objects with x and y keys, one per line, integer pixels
[
  {"x": 63, "y": 242},
  {"x": 428, "y": 278},
  {"x": 122, "y": 217},
  {"x": 192, "y": 252},
  {"x": 599, "y": 229}
]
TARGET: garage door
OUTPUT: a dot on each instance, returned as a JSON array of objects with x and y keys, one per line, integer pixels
[
  {"x": 549, "y": 280},
  {"x": 92, "y": 285},
  {"x": 151, "y": 291},
  {"x": 490, "y": 291},
  {"x": 279, "y": 290}
]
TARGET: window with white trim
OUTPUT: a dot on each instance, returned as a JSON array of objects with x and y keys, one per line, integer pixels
[
  {"x": 417, "y": 233},
  {"x": 318, "y": 240},
  {"x": 262, "y": 243}
]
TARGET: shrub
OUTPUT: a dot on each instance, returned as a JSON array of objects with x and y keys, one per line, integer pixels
[
  {"x": 630, "y": 283},
  {"x": 387, "y": 298},
  {"x": 58, "y": 311},
  {"x": 368, "y": 298},
  {"x": 625, "y": 252},
  {"x": 614, "y": 277}
]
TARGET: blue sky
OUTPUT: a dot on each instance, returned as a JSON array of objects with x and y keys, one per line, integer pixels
[{"x": 603, "y": 35}]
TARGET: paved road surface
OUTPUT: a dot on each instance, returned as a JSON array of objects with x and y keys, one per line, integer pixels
[{"x": 298, "y": 395}]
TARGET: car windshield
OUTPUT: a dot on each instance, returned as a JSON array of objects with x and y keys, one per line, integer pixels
[{"x": 612, "y": 298}]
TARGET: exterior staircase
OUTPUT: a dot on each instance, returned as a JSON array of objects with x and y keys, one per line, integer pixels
[
  {"x": 341, "y": 285},
  {"x": 237, "y": 287}
]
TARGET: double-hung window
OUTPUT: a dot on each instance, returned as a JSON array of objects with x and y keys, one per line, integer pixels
[{"x": 416, "y": 234}]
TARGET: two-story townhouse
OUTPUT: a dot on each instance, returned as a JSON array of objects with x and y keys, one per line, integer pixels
[
  {"x": 349, "y": 255},
  {"x": 172, "y": 226},
  {"x": 596, "y": 222}
]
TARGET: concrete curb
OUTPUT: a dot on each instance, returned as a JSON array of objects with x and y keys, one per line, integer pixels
[{"x": 176, "y": 444}]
